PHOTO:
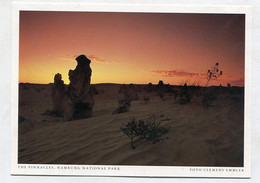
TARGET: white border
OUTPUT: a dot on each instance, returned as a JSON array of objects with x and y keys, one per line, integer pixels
[{"x": 146, "y": 171}]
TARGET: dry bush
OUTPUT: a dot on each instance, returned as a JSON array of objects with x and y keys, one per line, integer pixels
[
  {"x": 209, "y": 96},
  {"x": 185, "y": 94},
  {"x": 149, "y": 130},
  {"x": 146, "y": 99}
]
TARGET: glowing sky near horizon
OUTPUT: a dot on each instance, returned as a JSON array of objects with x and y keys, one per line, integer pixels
[{"x": 132, "y": 47}]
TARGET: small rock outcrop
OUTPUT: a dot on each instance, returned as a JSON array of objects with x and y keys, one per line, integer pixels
[
  {"x": 160, "y": 84},
  {"x": 62, "y": 104},
  {"x": 160, "y": 89},
  {"x": 163, "y": 88},
  {"x": 150, "y": 87},
  {"x": 79, "y": 89}
]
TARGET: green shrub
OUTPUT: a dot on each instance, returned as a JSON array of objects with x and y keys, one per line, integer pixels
[{"x": 149, "y": 130}]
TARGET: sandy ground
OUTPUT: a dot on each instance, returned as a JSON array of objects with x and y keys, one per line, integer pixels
[{"x": 197, "y": 137}]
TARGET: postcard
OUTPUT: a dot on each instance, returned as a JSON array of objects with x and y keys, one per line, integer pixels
[{"x": 127, "y": 90}]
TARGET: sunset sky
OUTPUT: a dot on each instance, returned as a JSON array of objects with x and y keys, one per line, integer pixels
[{"x": 132, "y": 47}]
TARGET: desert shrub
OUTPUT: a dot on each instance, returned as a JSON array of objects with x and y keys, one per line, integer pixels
[
  {"x": 185, "y": 94},
  {"x": 161, "y": 94},
  {"x": 146, "y": 99},
  {"x": 124, "y": 103},
  {"x": 149, "y": 130},
  {"x": 209, "y": 97},
  {"x": 47, "y": 112},
  {"x": 199, "y": 91},
  {"x": 123, "y": 106},
  {"x": 184, "y": 100},
  {"x": 130, "y": 129}
]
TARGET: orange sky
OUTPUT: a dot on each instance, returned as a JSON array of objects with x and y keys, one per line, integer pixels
[{"x": 132, "y": 47}]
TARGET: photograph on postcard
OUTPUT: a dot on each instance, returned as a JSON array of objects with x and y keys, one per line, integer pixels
[{"x": 131, "y": 88}]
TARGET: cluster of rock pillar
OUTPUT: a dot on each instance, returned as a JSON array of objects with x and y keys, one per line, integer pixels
[
  {"x": 129, "y": 92},
  {"x": 76, "y": 101}
]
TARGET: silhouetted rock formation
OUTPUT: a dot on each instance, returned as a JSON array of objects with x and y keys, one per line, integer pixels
[
  {"x": 129, "y": 92},
  {"x": 79, "y": 88},
  {"x": 185, "y": 95},
  {"x": 76, "y": 102},
  {"x": 62, "y": 104},
  {"x": 160, "y": 89},
  {"x": 160, "y": 84},
  {"x": 150, "y": 87},
  {"x": 58, "y": 92}
]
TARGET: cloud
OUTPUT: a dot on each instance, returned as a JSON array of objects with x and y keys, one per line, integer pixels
[
  {"x": 66, "y": 59},
  {"x": 97, "y": 59},
  {"x": 91, "y": 57},
  {"x": 177, "y": 73},
  {"x": 233, "y": 80},
  {"x": 238, "y": 82}
]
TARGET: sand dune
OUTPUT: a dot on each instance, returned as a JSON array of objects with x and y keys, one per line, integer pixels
[{"x": 198, "y": 136}]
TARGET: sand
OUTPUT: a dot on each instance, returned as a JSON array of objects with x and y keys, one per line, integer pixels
[{"x": 197, "y": 136}]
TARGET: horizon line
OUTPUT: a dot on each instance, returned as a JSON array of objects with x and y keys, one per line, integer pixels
[{"x": 134, "y": 84}]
